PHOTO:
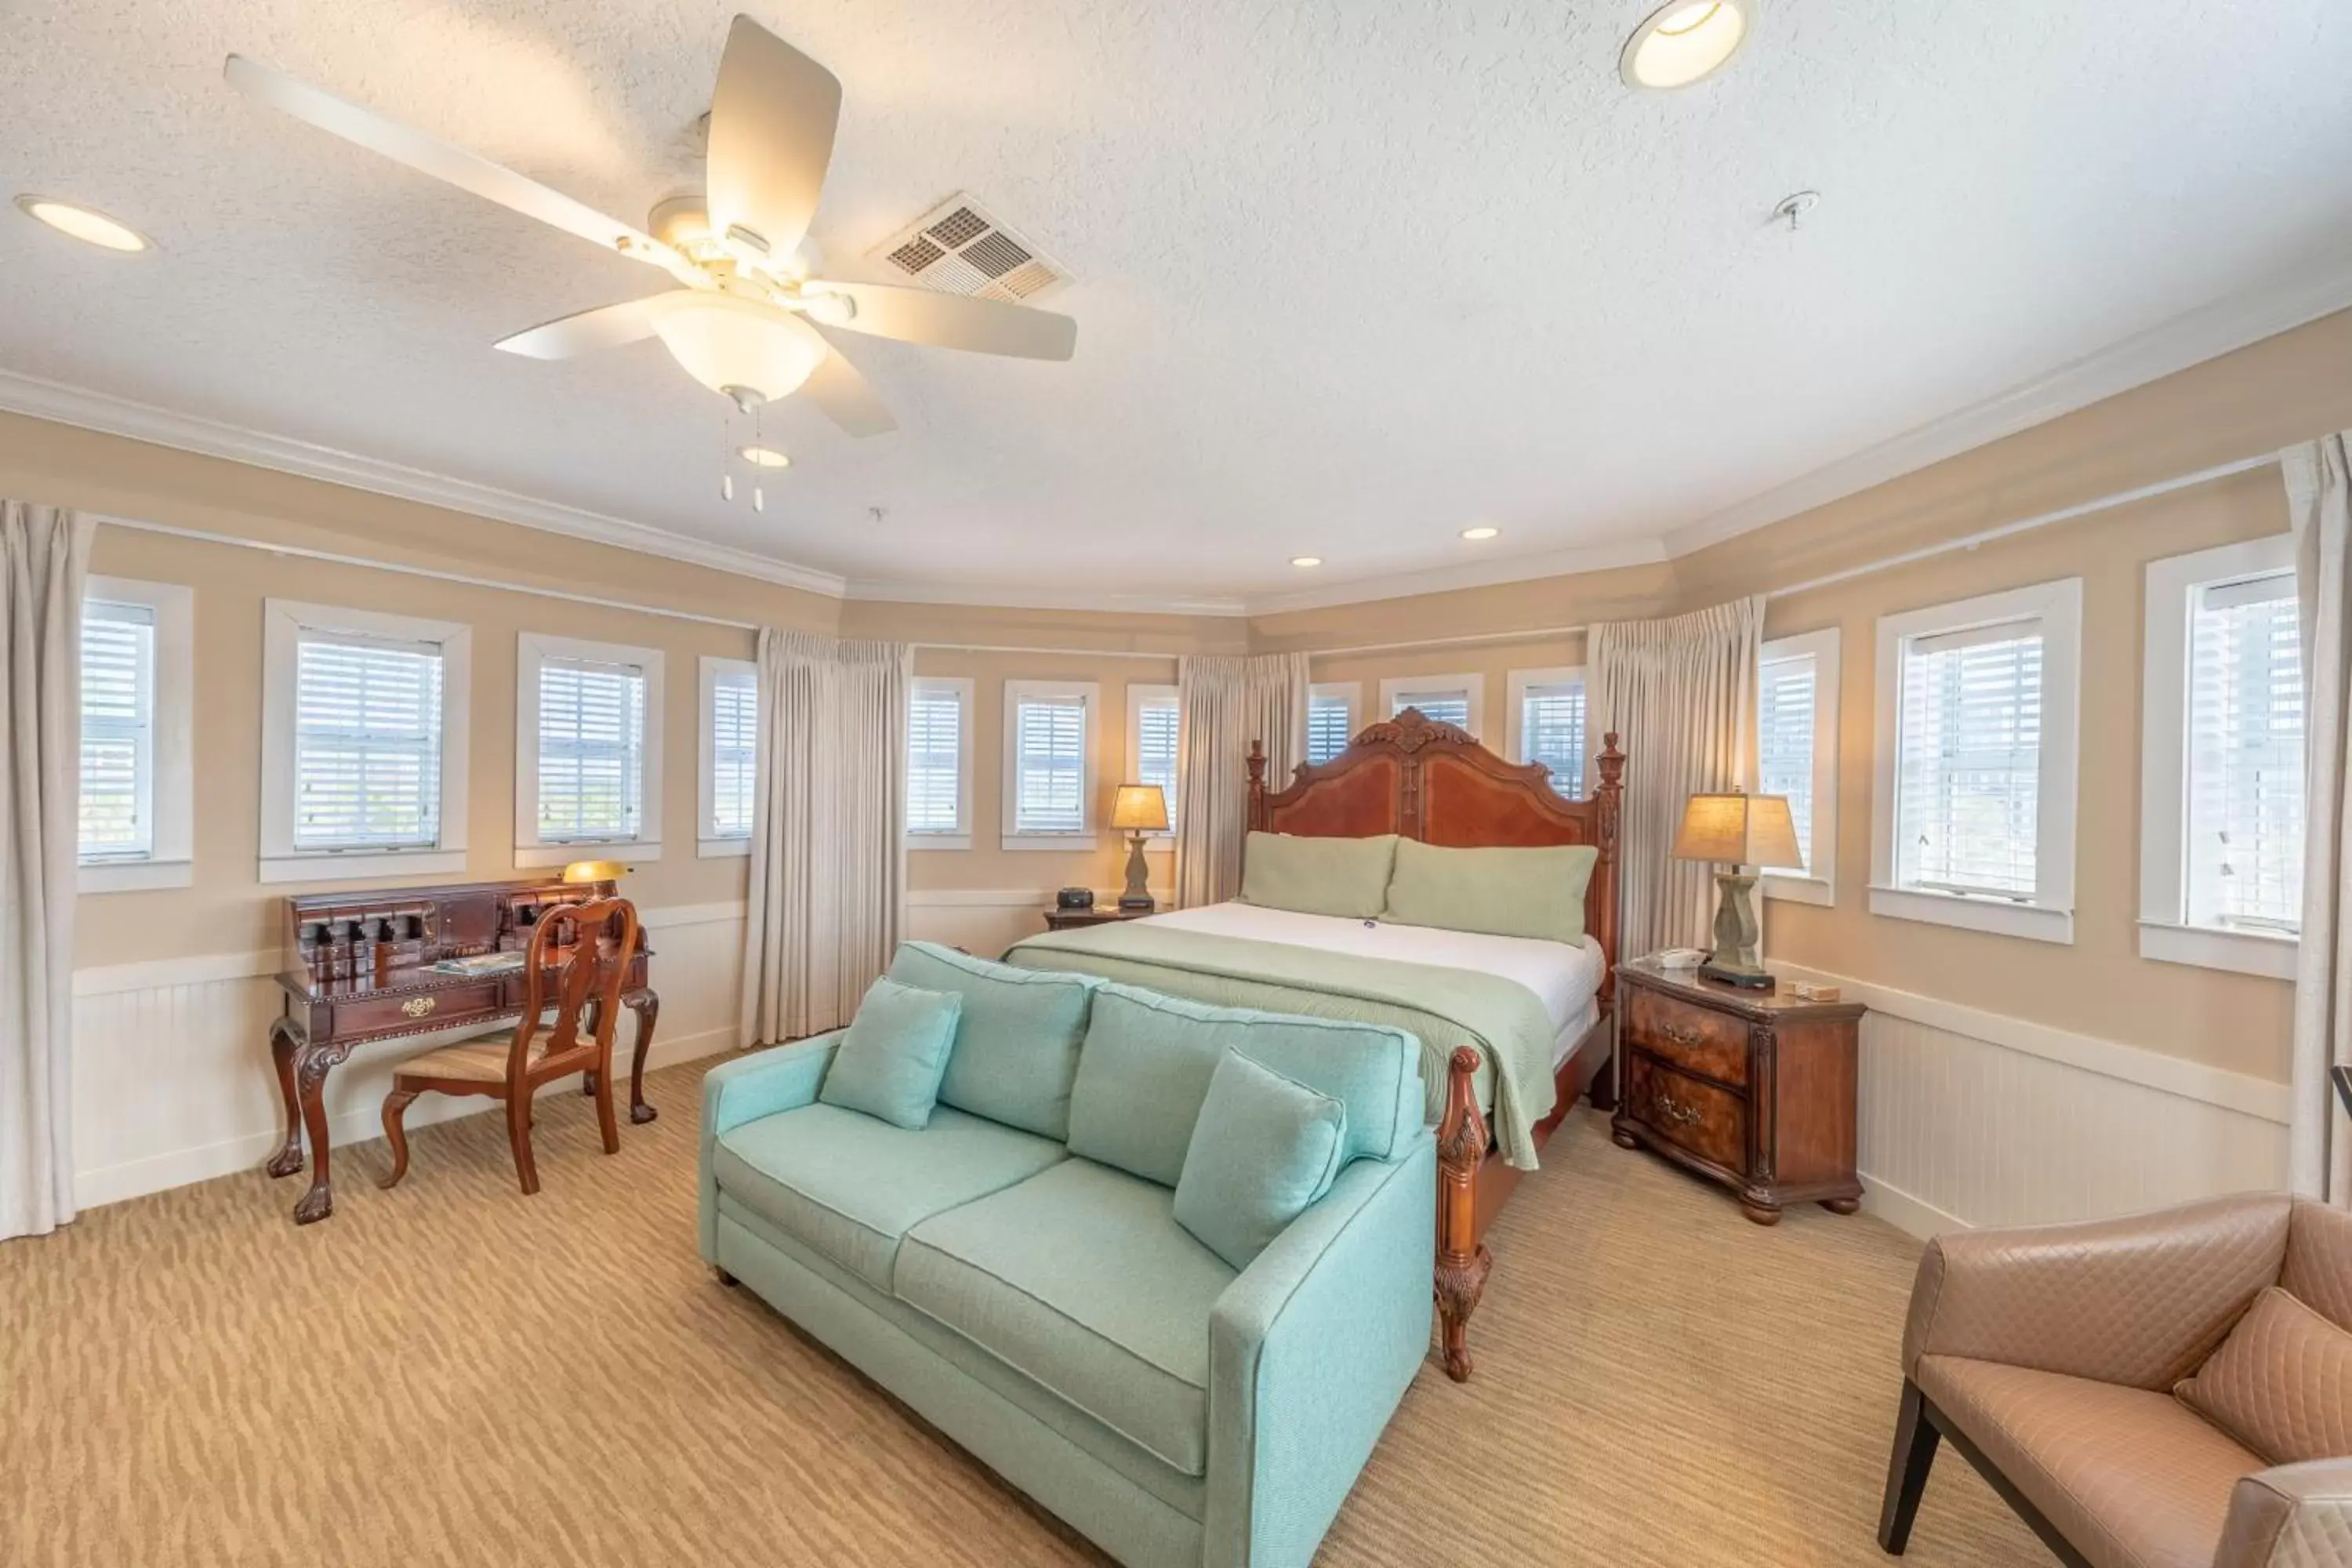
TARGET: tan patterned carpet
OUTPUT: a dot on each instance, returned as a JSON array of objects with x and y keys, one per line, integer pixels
[{"x": 453, "y": 1373}]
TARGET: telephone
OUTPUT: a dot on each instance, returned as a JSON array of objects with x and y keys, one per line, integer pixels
[{"x": 1680, "y": 958}]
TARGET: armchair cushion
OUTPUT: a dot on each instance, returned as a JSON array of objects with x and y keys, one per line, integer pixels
[
  {"x": 2295, "y": 1516},
  {"x": 2281, "y": 1383},
  {"x": 894, "y": 1054},
  {"x": 1264, "y": 1149}
]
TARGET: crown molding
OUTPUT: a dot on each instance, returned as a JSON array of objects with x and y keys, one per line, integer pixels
[
  {"x": 917, "y": 593},
  {"x": 212, "y": 438},
  {"x": 1604, "y": 557}
]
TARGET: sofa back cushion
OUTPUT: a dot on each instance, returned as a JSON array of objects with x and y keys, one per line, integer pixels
[
  {"x": 2281, "y": 1383},
  {"x": 1148, "y": 1059},
  {"x": 1016, "y": 1049},
  {"x": 2317, "y": 1271},
  {"x": 1347, "y": 877}
]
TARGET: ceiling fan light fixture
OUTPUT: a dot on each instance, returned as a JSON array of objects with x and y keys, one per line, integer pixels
[
  {"x": 765, "y": 457},
  {"x": 1684, "y": 42},
  {"x": 1306, "y": 560},
  {"x": 736, "y": 346},
  {"x": 1484, "y": 530},
  {"x": 90, "y": 227}
]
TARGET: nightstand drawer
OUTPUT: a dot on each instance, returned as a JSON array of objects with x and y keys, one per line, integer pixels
[
  {"x": 1710, "y": 1044},
  {"x": 1695, "y": 1115}
]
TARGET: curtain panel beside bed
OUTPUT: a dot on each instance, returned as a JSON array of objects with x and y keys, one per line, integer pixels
[{"x": 1226, "y": 703}]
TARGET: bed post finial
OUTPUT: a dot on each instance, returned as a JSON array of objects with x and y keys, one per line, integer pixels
[
  {"x": 1462, "y": 1259},
  {"x": 1257, "y": 787}
]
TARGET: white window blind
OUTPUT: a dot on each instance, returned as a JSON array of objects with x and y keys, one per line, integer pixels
[
  {"x": 1327, "y": 728},
  {"x": 734, "y": 745},
  {"x": 592, "y": 734},
  {"x": 1784, "y": 739},
  {"x": 1050, "y": 765},
  {"x": 117, "y": 732},
  {"x": 1552, "y": 731},
  {"x": 1448, "y": 707},
  {"x": 367, "y": 742},
  {"x": 2245, "y": 755},
  {"x": 1156, "y": 727},
  {"x": 934, "y": 720},
  {"x": 1968, "y": 760}
]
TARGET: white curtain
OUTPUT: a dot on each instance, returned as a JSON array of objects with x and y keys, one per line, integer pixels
[
  {"x": 829, "y": 890},
  {"x": 1681, "y": 695},
  {"x": 1226, "y": 703},
  {"x": 2319, "y": 502},
  {"x": 44, "y": 557}
]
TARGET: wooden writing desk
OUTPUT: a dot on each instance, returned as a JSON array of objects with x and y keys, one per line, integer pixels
[{"x": 358, "y": 968}]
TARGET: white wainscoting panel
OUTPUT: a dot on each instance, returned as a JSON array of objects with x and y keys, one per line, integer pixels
[{"x": 172, "y": 1081}]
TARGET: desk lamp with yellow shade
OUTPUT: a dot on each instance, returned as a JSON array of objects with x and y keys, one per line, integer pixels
[
  {"x": 1139, "y": 808},
  {"x": 1742, "y": 831},
  {"x": 581, "y": 871}
]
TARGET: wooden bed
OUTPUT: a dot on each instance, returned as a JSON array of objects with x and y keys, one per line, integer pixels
[{"x": 1426, "y": 780}]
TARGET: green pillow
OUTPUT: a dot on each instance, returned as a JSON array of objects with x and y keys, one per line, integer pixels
[
  {"x": 893, "y": 1055},
  {"x": 1317, "y": 876},
  {"x": 1502, "y": 892},
  {"x": 1265, "y": 1149}
]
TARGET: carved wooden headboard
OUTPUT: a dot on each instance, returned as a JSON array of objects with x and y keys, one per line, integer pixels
[{"x": 1427, "y": 780}]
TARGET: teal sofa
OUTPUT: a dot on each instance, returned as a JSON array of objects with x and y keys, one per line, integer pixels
[{"x": 1013, "y": 1271}]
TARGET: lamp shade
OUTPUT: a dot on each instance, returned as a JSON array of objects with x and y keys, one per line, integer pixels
[
  {"x": 1738, "y": 829},
  {"x": 1139, "y": 808},
  {"x": 593, "y": 871}
]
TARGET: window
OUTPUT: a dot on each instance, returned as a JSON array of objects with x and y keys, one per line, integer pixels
[
  {"x": 2221, "y": 768},
  {"x": 1973, "y": 819},
  {"x": 1154, "y": 737},
  {"x": 588, "y": 728},
  {"x": 1546, "y": 724},
  {"x": 1449, "y": 699},
  {"x": 730, "y": 768},
  {"x": 939, "y": 764},
  {"x": 1330, "y": 718},
  {"x": 1049, "y": 771},
  {"x": 363, "y": 743},
  {"x": 137, "y": 724},
  {"x": 1796, "y": 745}
]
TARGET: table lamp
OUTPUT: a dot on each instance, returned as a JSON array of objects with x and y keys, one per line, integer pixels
[
  {"x": 1737, "y": 830},
  {"x": 1140, "y": 809},
  {"x": 593, "y": 871}
]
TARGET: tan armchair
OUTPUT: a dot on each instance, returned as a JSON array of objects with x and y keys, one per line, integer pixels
[{"x": 2048, "y": 1356}]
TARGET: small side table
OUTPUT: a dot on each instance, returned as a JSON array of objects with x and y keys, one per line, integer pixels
[{"x": 1100, "y": 915}]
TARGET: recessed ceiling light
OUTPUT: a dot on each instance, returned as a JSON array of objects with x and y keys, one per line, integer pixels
[
  {"x": 1306, "y": 560},
  {"x": 1683, "y": 41},
  {"x": 1484, "y": 530},
  {"x": 766, "y": 458},
  {"x": 90, "y": 227}
]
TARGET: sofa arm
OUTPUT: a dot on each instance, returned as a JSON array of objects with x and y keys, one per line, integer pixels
[
  {"x": 2139, "y": 1301},
  {"x": 764, "y": 1083},
  {"x": 2293, "y": 1516},
  {"x": 1309, "y": 1350}
]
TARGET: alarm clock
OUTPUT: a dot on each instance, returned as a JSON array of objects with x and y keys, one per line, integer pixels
[{"x": 1075, "y": 899}]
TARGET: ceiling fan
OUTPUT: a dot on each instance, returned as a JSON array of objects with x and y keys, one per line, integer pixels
[{"x": 749, "y": 320}]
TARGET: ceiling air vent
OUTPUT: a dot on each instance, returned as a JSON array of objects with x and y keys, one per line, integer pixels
[{"x": 958, "y": 249}]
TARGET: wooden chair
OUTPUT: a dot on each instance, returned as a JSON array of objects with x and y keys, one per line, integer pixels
[{"x": 600, "y": 937}]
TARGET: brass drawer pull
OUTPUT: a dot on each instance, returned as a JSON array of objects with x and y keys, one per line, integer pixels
[
  {"x": 1681, "y": 1034},
  {"x": 1674, "y": 1111}
]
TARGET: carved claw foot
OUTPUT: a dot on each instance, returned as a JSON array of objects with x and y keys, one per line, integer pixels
[
  {"x": 286, "y": 1161},
  {"x": 1623, "y": 1139},
  {"x": 1460, "y": 1282},
  {"x": 315, "y": 1206},
  {"x": 641, "y": 1113}
]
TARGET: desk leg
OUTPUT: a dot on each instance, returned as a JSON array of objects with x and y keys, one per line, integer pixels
[
  {"x": 285, "y": 1040},
  {"x": 646, "y": 1005},
  {"x": 311, "y": 1067}
]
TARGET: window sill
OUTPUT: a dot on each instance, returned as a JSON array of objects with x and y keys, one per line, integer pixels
[
  {"x": 2247, "y": 953},
  {"x": 939, "y": 840},
  {"x": 344, "y": 867},
  {"x": 1064, "y": 843},
  {"x": 721, "y": 848},
  {"x": 1800, "y": 890},
  {"x": 1997, "y": 916},
  {"x": 132, "y": 876},
  {"x": 628, "y": 851}
]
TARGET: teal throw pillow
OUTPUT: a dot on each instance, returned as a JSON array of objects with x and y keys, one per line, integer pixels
[
  {"x": 890, "y": 1061},
  {"x": 1265, "y": 1148}
]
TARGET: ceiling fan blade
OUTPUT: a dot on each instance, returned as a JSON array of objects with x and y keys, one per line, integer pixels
[
  {"x": 954, "y": 321},
  {"x": 584, "y": 331},
  {"x": 844, "y": 396},
  {"x": 771, "y": 121},
  {"x": 467, "y": 171}
]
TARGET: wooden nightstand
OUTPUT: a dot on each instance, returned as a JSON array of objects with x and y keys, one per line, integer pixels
[
  {"x": 1100, "y": 915},
  {"x": 1754, "y": 1089}
]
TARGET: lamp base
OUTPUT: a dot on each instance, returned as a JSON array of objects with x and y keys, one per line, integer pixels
[
  {"x": 1137, "y": 900},
  {"x": 1734, "y": 961},
  {"x": 1746, "y": 979}
]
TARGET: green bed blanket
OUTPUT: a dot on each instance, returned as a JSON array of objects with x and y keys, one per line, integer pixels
[{"x": 1445, "y": 1008}]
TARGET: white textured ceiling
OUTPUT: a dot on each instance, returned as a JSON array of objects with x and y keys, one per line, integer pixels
[{"x": 1352, "y": 275}]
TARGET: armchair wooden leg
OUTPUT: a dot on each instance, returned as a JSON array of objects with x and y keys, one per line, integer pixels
[
  {"x": 1916, "y": 1438},
  {"x": 518, "y": 1134},
  {"x": 395, "y": 1105},
  {"x": 605, "y": 1124}
]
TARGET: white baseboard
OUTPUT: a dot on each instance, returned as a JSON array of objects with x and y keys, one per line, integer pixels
[{"x": 1903, "y": 1212}]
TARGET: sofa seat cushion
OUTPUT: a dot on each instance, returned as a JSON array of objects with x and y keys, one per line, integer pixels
[
  {"x": 2132, "y": 1476},
  {"x": 851, "y": 1186},
  {"x": 1081, "y": 1279}
]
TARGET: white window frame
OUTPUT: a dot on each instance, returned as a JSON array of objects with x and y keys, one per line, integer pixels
[
  {"x": 1015, "y": 692},
  {"x": 1818, "y": 883},
  {"x": 1514, "y": 720},
  {"x": 710, "y": 844},
  {"x": 1138, "y": 696},
  {"x": 283, "y": 622},
  {"x": 960, "y": 687},
  {"x": 1351, "y": 693},
  {"x": 170, "y": 860},
  {"x": 533, "y": 649},
  {"x": 2165, "y": 934},
  {"x": 2049, "y": 915},
  {"x": 1472, "y": 685}
]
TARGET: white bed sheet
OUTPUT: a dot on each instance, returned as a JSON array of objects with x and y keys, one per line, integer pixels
[{"x": 1566, "y": 979}]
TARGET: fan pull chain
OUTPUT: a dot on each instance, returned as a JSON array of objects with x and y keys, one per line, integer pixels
[
  {"x": 759, "y": 492},
  {"x": 726, "y": 464}
]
